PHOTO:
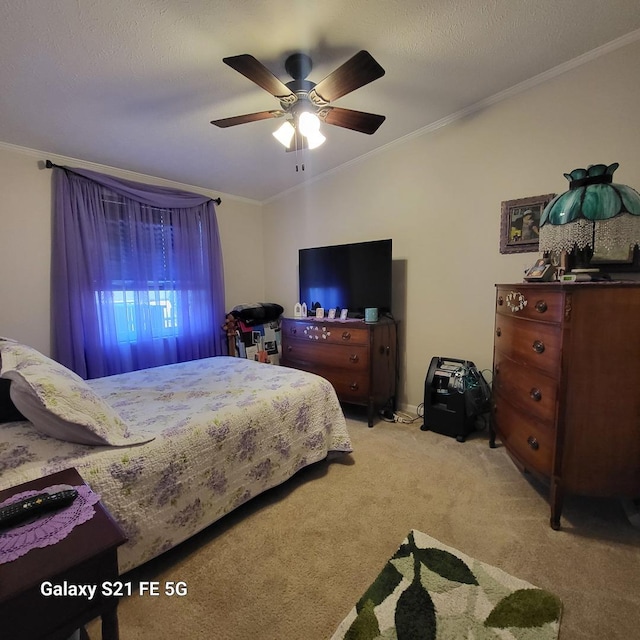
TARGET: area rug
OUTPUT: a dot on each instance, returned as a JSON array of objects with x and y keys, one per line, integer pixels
[{"x": 429, "y": 591}]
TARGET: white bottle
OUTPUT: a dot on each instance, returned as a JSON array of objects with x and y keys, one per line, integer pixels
[{"x": 304, "y": 309}]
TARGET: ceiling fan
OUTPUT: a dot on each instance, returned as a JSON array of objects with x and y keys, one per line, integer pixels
[{"x": 303, "y": 103}]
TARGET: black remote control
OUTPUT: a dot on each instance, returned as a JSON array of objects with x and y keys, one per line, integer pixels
[{"x": 35, "y": 506}]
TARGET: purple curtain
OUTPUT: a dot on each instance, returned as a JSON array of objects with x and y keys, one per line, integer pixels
[{"x": 137, "y": 275}]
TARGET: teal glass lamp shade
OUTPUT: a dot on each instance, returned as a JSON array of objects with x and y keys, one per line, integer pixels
[{"x": 595, "y": 212}]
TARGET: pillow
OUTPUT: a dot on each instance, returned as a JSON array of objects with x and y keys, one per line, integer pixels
[{"x": 60, "y": 403}]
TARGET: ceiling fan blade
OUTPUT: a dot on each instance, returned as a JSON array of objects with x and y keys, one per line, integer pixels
[
  {"x": 353, "y": 74},
  {"x": 251, "y": 68},
  {"x": 249, "y": 117},
  {"x": 350, "y": 119}
]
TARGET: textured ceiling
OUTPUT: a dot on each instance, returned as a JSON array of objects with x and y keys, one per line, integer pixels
[{"x": 134, "y": 85}]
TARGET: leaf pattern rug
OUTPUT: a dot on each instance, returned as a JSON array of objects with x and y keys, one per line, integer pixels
[{"x": 429, "y": 591}]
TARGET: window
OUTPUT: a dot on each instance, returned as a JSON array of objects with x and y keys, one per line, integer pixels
[
  {"x": 148, "y": 308},
  {"x": 137, "y": 283}
]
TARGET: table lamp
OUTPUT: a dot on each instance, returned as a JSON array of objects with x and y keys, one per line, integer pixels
[{"x": 596, "y": 220}]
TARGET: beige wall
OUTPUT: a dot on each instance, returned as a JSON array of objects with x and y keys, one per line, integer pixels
[
  {"x": 25, "y": 243},
  {"x": 438, "y": 197}
]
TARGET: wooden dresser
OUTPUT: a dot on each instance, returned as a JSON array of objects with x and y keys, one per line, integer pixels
[
  {"x": 358, "y": 358},
  {"x": 566, "y": 385}
]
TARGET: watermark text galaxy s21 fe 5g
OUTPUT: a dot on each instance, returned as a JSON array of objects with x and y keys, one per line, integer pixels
[{"x": 115, "y": 589}]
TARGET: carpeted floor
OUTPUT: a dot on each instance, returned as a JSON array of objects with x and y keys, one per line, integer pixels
[{"x": 291, "y": 564}]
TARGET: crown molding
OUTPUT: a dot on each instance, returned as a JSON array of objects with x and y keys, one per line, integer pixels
[{"x": 41, "y": 156}]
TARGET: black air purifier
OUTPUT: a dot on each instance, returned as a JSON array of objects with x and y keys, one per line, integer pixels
[{"x": 455, "y": 393}]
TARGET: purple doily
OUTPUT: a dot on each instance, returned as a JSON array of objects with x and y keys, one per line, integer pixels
[{"x": 47, "y": 529}]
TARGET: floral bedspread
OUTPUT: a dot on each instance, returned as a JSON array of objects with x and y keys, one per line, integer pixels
[{"x": 226, "y": 429}]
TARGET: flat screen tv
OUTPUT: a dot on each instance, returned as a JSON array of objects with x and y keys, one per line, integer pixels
[{"x": 347, "y": 276}]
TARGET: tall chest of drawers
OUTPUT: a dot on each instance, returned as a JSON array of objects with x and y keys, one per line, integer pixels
[
  {"x": 358, "y": 358},
  {"x": 566, "y": 386}
]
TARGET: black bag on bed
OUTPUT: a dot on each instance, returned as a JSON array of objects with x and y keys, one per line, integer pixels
[{"x": 257, "y": 313}]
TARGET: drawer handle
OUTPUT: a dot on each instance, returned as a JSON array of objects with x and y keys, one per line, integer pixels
[
  {"x": 346, "y": 335},
  {"x": 498, "y": 332},
  {"x": 500, "y": 301},
  {"x": 541, "y": 306},
  {"x": 353, "y": 358},
  {"x": 538, "y": 346},
  {"x": 536, "y": 394},
  {"x": 353, "y": 386},
  {"x": 533, "y": 443},
  {"x": 289, "y": 348},
  {"x": 293, "y": 330}
]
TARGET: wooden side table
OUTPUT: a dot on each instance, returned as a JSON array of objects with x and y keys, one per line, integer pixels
[{"x": 87, "y": 556}]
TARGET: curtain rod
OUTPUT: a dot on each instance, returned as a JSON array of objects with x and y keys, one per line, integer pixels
[{"x": 49, "y": 165}]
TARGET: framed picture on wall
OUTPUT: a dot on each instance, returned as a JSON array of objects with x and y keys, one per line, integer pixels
[{"x": 520, "y": 223}]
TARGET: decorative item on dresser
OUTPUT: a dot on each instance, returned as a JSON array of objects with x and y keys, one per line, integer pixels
[
  {"x": 358, "y": 358},
  {"x": 565, "y": 386},
  {"x": 597, "y": 222}
]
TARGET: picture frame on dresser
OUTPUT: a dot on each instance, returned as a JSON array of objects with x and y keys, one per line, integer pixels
[
  {"x": 604, "y": 262},
  {"x": 520, "y": 223}
]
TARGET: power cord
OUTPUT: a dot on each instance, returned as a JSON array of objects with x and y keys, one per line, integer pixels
[{"x": 401, "y": 417}]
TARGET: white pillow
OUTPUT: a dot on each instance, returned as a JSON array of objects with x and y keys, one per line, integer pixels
[{"x": 58, "y": 402}]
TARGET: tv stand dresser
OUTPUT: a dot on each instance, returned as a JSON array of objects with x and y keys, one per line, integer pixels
[
  {"x": 358, "y": 358},
  {"x": 566, "y": 386}
]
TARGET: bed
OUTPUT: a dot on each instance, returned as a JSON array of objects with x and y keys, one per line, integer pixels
[{"x": 192, "y": 441}]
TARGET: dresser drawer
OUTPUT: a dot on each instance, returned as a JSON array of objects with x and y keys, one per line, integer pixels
[
  {"x": 535, "y": 343},
  {"x": 531, "y": 303},
  {"x": 350, "y": 385},
  {"x": 331, "y": 332},
  {"x": 354, "y": 357},
  {"x": 529, "y": 440},
  {"x": 530, "y": 389}
]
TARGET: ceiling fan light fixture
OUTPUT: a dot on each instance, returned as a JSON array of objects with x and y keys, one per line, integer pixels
[
  {"x": 284, "y": 133},
  {"x": 303, "y": 102},
  {"x": 309, "y": 126},
  {"x": 314, "y": 139},
  {"x": 308, "y": 123}
]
